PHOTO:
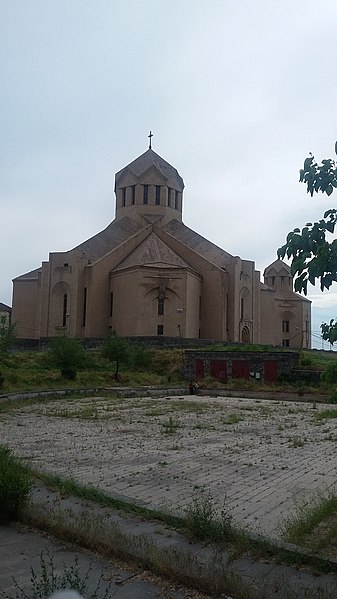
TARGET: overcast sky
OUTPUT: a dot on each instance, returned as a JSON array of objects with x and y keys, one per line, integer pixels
[{"x": 236, "y": 93}]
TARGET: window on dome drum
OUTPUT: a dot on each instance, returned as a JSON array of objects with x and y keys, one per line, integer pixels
[
  {"x": 176, "y": 195},
  {"x": 285, "y": 326},
  {"x": 282, "y": 280},
  {"x": 123, "y": 196},
  {"x": 157, "y": 195},
  {"x": 168, "y": 196},
  {"x": 133, "y": 196},
  {"x": 145, "y": 194},
  {"x": 65, "y": 305},
  {"x": 160, "y": 306},
  {"x": 273, "y": 280},
  {"x": 160, "y": 329},
  {"x": 285, "y": 342}
]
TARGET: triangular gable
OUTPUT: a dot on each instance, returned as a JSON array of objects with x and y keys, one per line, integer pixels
[
  {"x": 153, "y": 251},
  {"x": 153, "y": 175}
]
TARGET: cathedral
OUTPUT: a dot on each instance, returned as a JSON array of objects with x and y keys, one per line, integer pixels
[{"x": 148, "y": 274}]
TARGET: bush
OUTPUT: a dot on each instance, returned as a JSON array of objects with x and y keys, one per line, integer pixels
[
  {"x": 330, "y": 374},
  {"x": 15, "y": 485},
  {"x": 333, "y": 397},
  {"x": 68, "y": 355}
]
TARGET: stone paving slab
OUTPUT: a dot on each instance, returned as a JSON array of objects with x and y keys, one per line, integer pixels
[
  {"x": 258, "y": 456},
  {"x": 20, "y": 550}
]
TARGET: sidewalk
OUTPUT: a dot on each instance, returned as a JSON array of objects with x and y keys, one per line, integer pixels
[{"x": 20, "y": 549}]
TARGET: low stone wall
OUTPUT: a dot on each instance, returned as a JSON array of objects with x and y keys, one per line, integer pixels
[{"x": 226, "y": 365}]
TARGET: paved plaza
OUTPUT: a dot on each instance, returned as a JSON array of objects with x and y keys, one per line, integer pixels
[{"x": 260, "y": 457}]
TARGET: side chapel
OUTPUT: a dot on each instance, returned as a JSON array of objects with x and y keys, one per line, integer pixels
[{"x": 149, "y": 274}]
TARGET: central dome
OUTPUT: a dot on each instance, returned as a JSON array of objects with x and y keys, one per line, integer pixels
[{"x": 149, "y": 186}]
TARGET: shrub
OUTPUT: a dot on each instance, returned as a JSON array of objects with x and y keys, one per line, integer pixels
[
  {"x": 15, "y": 485},
  {"x": 333, "y": 397},
  {"x": 330, "y": 374},
  {"x": 68, "y": 355}
]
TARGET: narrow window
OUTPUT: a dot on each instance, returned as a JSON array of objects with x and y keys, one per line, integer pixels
[
  {"x": 160, "y": 306},
  {"x": 241, "y": 308},
  {"x": 123, "y": 196},
  {"x": 273, "y": 280},
  {"x": 84, "y": 306},
  {"x": 285, "y": 326},
  {"x": 65, "y": 305},
  {"x": 285, "y": 342},
  {"x": 133, "y": 196},
  {"x": 145, "y": 194},
  {"x": 199, "y": 307},
  {"x": 282, "y": 280},
  {"x": 160, "y": 329},
  {"x": 168, "y": 196},
  {"x": 111, "y": 303},
  {"x": 176, "y": 200},
  {"x": 157, "y": 195}
]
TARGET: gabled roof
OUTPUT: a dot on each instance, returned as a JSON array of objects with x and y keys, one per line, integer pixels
[
  {"x": 153, "y": 252},
  {"x": 5, "y": 308},
  {"x": 32, "y": 274},
  {"x": 145, "y": 161},
  {"x": 197, "y": 243},
  {"x": 103, "y": 242},
  {"x": 277, "y": 266}
]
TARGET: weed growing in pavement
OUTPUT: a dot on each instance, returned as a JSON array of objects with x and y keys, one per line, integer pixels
[
  {"x": 203, "y": 522},
  {"x": 296, "y": 442},
  {"x": 171, "y": 426},
  {"x": 49, "y": 580},
  {"x": 325, "y": 414},
  {"x": 307, "y": 517},
  {"x": 231, "y": 419}
]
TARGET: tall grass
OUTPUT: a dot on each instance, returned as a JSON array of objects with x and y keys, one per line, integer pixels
[{"x": 15, "y": 486}]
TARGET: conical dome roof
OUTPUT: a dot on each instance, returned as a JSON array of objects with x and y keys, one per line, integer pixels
[{"x": 142, "y": 164}]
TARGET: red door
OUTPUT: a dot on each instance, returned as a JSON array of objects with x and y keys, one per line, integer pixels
[
  {"x": 270, "y": 371},
  {"x": 218, "y": 370},
  {"x": 240, "y": 369},
  {"x": 199, "y": 369}
]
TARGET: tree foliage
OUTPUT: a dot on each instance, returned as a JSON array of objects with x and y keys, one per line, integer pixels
[
  {"x": 313, "y": 256},
  {"x": 7, "y": 338},
  {"x": 118, "y": 350},
  {"x": 329, "y": 331},
  {"x": 68, "y": 355}
]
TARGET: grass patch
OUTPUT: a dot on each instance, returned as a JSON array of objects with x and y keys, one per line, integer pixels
[
  {"x": 70, "y": 488},
  {"x": 15, "y": 486},
  {"x": 231, "y": 418},
  {"x": 325, "y": 414},
  {"x": 299, "y": 528}
]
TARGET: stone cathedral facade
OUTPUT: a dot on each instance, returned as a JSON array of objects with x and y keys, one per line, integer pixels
[{"x": 148, "y": 274}]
